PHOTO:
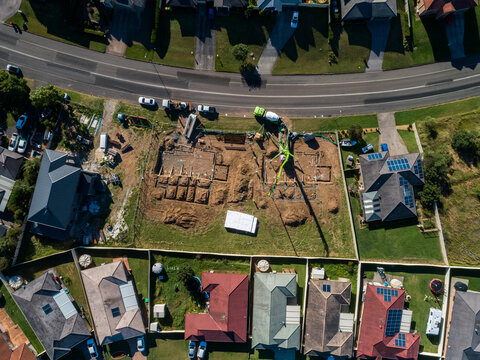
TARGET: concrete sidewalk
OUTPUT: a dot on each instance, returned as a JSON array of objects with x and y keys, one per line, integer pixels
[
  {"x": 379, "y": 30},
  {"x": 390, "y": 135},
  {"x": 281, "y": 33}
]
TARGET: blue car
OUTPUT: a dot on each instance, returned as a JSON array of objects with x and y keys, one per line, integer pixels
[
  {"x": 22, "y": 120},
  {"x": 92, "y": 348},
  {"x": 367, "y": 148},
  {"x": 192, "y": 349},
  {"x": 202, "y": 348}
]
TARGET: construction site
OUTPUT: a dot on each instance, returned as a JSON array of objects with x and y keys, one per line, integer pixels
[{"x": 291, "y": 182}]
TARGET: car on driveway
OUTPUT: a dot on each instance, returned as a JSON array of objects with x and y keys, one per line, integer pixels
[
  {"x": 22, "y": 145},
  {"x": 22, "y": 120},
  {"x": 12, "y": 69},
  {"x": 202, "y": 348},
  {"x": 13, "y": 143},
  {"x": 192, "y": 349},
  {"x": 294, "y": 22},
  {"x": 140, "y": 344},
  {"x": 146, "y": 101},
  {"x": 92, "y": 348}
]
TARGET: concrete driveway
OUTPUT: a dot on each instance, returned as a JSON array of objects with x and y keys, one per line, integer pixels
[
  {"x": 390, "y": 135},
  {"x": 8, "y": 8},
  {"x": 455, "y": 31},
  {"x": 281, "y": 33},
  {"x": 379, "y": 30},
  {"x": 204, "y": 40},
  {"x": 123, "y": 27}
]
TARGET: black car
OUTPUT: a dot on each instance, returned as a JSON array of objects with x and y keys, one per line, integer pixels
[{"x": 46, "y": 113}]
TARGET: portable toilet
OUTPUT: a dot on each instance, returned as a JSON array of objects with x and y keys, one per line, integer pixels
[{"x": 103, "y": 142}]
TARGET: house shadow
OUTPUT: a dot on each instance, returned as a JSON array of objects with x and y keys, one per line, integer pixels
[
  {"x": 395, "y": 37},
  {"x": 438, "y": 38}
]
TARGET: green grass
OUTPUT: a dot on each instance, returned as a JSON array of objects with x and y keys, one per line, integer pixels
[
  {"x": 51, "y": 19},
  {"x": 34, "y": 248},
  {"x": 336, "y": 270},
  {"x": 460, "y": 206},
  {"x": 437, "y": 111},
  {"x": 401, "y": 241},
  {"x": 17, "y": 317},
  {"x": 429, "y": 41},
  {"x": 182, "y": 301},
  {"x": 416, "y": 284},
  {"x": 85, "y": 103},
  {"x": 409, "y": 140},
  {"x": 166, "y": 347},
  {"x": 235, "y": 29},
  {"x": 307, "y": 50},
  {"x": 472, "y": 275},
  {"x": 355, "y": 151},
  {"x": 334, "y": 123},
  {"x": 233, "y": 123},
  {"x": 157, "y": 117}
]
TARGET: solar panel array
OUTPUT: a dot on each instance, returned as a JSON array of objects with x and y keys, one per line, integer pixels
[
  {"x": 394, "y": 319},
  {"x": 417, "y": 168},
  {"x": 408, "y": 198},
  {"x": 374, "y": 156},
  {"x": 400, "y": 341},
  {"x": 326, "y": 288},
  {"x": 387, "y": 293},
  {"x": 398, "y": 164}
]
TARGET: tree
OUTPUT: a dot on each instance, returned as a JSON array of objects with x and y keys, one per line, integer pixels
[
  {"x": 436, "y": 165},
  {"x": 465, "y": 141},
  {"x": 30, "y": 170},
  {"x": 355, "y": 132},
  {"x": 429, "y": 194},
  {"x": 46, "y": 96},
  {"x": 4, "y": 263},
  {"x": 13, "y": 93},
  {"x": 184, "y": 273},
  {"x": 19, "y": 199},
  {"x": 240, "y": 52},
  {"x": 8, "y": 243},
  {"x": 431, "y": 127}
]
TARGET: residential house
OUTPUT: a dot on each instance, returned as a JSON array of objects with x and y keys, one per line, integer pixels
[
  {"x": 19, "y": 353},
  {"x": 113, "y": 303},
  {"x": 328, "y": 322},
  {"x": 276, "y": 315},
  {"x": 368, "y": 9},
  {"x": 124, "y": 4},
  {"x": 385, "y": 326},
  {"x": 442, "y": 8},
  {"x": 60, "y": 190},
  {"x": 223, "y": 6},
  {"x": 463, "y": 337},
  {"x": 277, "y": 5},
  {"x": 389, "y": 185},
  {"x": 226, "y": 319},
  {"x": 50, "y": 312},
  {"x": 10, "y": 165}
]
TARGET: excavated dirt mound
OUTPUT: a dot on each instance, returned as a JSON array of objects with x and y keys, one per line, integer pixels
[
  {"x": 181, "y": 217},
  {"x": 332, "y": 205},
  {"x": 218, "y": 195},
  {"x": 294, "y": 216}
]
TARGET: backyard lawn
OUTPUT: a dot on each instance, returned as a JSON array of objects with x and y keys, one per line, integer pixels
[
  {"x": 409, "y": 140},
  {"x": 175, "y": 41},
  {"x": 174, "y": 294},
  {"x": 235, "y": 29},
  {"x": 416, "y": 284},
  {"x": 472, "y": 275},
  {"x": 307, "y": 51},
  {"x": 430, "y": 43},
  {"x": 368, "y": 138},
  {"x": 460, "y": 207},
  {"x": 334, "y": 123},
  {"x": 17, "y": 317},
  {"x": 51, "y": 19}
]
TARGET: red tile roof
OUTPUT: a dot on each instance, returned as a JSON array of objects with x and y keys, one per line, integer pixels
[
  {"x": 372, "y": 341},
  {"x": 20, "y": 353},
  {"x": 226, "y": 320},
  {"x": 443, "y": 7}
]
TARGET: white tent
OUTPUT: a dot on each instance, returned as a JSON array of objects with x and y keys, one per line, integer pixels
[
  {"x": 157, "y": 268},
  {"x": 237, "y": 221}
]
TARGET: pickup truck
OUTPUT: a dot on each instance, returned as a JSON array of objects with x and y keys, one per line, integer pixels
[
  {"x": 205, "y": 109},
  {"x": 176, "y": 105}
]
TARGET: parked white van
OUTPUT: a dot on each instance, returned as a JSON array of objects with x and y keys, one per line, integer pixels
[{"x": 103, "y": 141}]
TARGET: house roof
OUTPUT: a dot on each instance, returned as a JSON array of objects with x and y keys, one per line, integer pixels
[
  {"x": 390, "y": 183},
  {"x": 10, "y": 163},
  {"x": 276, "y": 5},
  {"x": 182, "y": 3},
  {"x": 443, "y": 7},
  {"x": 368, "y": 9},
  {"x": 226, "y": 320},
  {"x": 20, "y": 353},
  {"x": 374, "y": 342},
  {"x": 230, "y": 3},
  {"x": 327, "y": 299},
  {"x": 57, "y": 334},
  {"x": 115, "y": 312},
  {"x": 272, "y": 293},
  {"x": 55, "y": 191},
  {"x": 463, "y": 338}
]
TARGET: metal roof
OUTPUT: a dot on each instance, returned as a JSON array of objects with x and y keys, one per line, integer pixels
[
  {"x": 128, "y": 296},
  {"x": 65, "y": 304}
]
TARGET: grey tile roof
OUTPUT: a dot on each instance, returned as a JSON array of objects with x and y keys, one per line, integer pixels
[
  {"x": 276, "y": 5},
  {"x": 10, "y": 163},
  {"x": 322, "y": 335},
  {"x": 463, "y": 341},
  {"x": 272, "y": 292},
  {"x": 384, "y": 196},
  {"x": 54, "y": 196},
  {"x": 368, "y": 9},
  {"x": 57, "y": 334},
  {"x": 102, "y": 285}
]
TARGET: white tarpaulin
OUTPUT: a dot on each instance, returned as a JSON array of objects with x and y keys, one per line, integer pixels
[{"x": 238, "y": 221}]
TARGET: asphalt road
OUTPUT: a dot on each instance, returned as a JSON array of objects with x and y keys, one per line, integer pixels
[{"x": 105, "y": 75}]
